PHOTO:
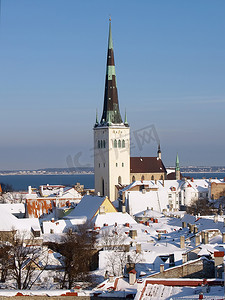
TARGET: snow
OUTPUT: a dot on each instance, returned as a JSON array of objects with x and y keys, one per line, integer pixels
[
  {"x": 61, "y": 226},
  {"x": 87, "y": 207},
  {"x": 112, "y": 218},
  {"x": 15, "y": 208}
]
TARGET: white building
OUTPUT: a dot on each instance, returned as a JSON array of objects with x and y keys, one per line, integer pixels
[{"x": 163, "y": 195}]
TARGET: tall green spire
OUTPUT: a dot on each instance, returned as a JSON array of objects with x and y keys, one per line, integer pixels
[
  {"x": 111, "y": 105},
  {"x": 177, "y": 163}
]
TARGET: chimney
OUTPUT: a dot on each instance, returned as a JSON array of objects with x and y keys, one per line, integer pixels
[
  {"x": 195, "y": 229},
  {"x": 184, "y": 258},
  {"x": 29, "y": 189},
  {"x": 161, "y": 268},
  {"x": 133, "y": 234},
  {"x": 223, "y": 237},
  {"x": 182, "y": 241},
  {"x": 132, "y": 277},
  {"x": 216, "y": 219},
  {"x": 184, "y": 224},
  {"x": 197, "y": 240},
  {"x": 138, "y": 248},
  {"x": 206, "y": 238}
]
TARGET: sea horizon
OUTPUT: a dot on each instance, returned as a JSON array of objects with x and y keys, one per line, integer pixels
[{"x": 21, "y": 182}]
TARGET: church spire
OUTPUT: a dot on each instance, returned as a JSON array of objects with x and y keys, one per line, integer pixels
[
  {"x": 111, "y": 112},
  {"x": 177, "y": 169}
]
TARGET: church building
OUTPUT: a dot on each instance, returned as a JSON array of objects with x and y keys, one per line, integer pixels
[{"x": 113, "y": 165}]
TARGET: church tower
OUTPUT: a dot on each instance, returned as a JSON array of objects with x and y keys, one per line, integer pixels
[
  {"x": 111, "y": 137},
  {"x": 177, "y": 169}
]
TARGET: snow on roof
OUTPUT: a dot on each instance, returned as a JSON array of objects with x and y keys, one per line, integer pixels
[
  {"x": 112, "y": 218},
  {"x": 138, "y": 201},
  {"x": 88, "y": 206},
  {"x": 14, "y": 208},
  {"x": 200, "y": 185},
  {"x": 205, "y": 222},
  {"x": 61, "y": 226},
  {"x": 9, "y": 222},
  {"x": 149, "y": 213}
]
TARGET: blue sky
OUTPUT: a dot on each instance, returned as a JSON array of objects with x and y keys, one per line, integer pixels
[{"x": 170, "y": 66}]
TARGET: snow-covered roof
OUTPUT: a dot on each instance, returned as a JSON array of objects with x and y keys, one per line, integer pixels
[
  {"x": 87, "y": 207},
  {"x": 14, "y": 208},
  {"x": 112, "y": 218},
  {"x": 61, "y": 226},
  {"x": 149, "y": 213}
]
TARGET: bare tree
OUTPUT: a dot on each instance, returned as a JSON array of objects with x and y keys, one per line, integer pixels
[
  {"x": 23, "y": 256},
  {"x": 201, "y": 206},
  {"x": 78, "y": 248}
]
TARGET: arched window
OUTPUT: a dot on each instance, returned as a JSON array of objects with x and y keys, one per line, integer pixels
[
  {"x": 103, "y": 143},
  {"x": 99, "y": 144},
  {"x": 133, "y": 178},
  {"x": 119, "y": 144},
  {"x": 122, "y": 164},
  {"x": 119, "y": 179},
  {"x": 152, "y": 178},
  {"x": 115, "y": 143},
  {"x": 142, "y": 177},
  {"x": 123, "y": 143},
  {"x": 161, "y": 177}
]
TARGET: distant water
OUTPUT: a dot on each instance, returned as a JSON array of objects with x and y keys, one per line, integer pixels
[
  {"x": 205, "y": 175},
  {"x": 21, "y": 182}
]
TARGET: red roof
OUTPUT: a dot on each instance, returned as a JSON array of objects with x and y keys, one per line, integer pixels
[
  {"x": 133, "y": 271},
  {"x": 146, "y": 165},
  {"x": 219, "y": 254}
]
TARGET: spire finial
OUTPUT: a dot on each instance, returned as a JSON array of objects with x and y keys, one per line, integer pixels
[{"x": 109, "y": 18}]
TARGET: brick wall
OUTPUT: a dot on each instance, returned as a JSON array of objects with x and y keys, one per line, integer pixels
[{"x": 217, "y": 190}]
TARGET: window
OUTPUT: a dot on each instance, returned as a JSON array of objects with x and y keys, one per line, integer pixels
[
  {"x": 123, "y": 143},
  {"x": 99, "y": 165},
  {"x": 170, "y": 196},
  {"x": 116, "y": 164},
  {"x": 119, "y": 179},
  {"x": 115, "y": 143},
  {"x": 119, "y": 144},
  {"x": 161, "y": 177},
  {"x": 152, "y": 178},
  {"x": 104, "y": 165},
  {"x": 103, "y": 143},
  {"x": 142, "y": 177},
  {"x": 133, "y": 178},
  {"x": 122, "y": 164},
  {"x": 98, "y": 144}
]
